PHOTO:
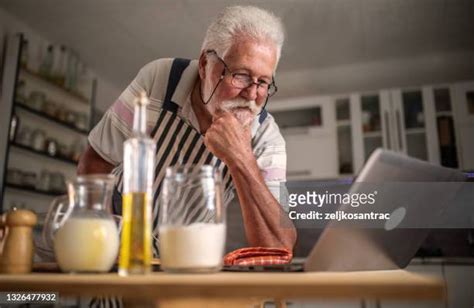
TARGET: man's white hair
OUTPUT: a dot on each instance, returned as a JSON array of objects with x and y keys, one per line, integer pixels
[{"x": 243, "y": 21}]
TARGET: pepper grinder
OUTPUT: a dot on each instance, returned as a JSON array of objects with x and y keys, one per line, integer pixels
[{"x": 17, "y": 253}]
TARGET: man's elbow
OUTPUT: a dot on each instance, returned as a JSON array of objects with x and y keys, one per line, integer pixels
[
  {"x": 91, "y": 162},
  {"x": 290, "y": 238}
]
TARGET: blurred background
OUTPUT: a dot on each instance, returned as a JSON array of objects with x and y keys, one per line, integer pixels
[{"x": 354, "y": 75}]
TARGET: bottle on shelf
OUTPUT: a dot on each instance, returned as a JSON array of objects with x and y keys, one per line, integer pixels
[
  {"x": 135, "y": 250},
  {"x": 47, "y": 63},
  {"x": 14, "y": 124},
  {"x": 84, "y": 82},
  {"x": 59, "y": 66},
  {"x": 71, "y": 67}
]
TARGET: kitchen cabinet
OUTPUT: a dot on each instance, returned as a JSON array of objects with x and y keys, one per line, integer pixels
[
  {"x": 368, "y": 125},
  {"x": 426, "y": 122},
  {"x": 309, "y": 128},
  {"x": 463, "y": 97},
  {"x": 44, "y": 126},
  {"x": 406, "y": 121},
  {"x": 434, "y": 123}
]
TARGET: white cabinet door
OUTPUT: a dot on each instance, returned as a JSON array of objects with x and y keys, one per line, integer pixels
[
  {"x": 414, "y": 117},
  {"x": 308, "y": 126},
  {"x": 463, "y": 105},
  {"x": 371, "y": 125},
  {"x": 312, "y": 155},
  {"x": 346, "y": 123}
]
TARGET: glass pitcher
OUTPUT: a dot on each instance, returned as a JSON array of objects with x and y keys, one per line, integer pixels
[{"x": 81, "y": 229}]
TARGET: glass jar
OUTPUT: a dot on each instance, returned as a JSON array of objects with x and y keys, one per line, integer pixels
[
  {"x": 36, "y": 100},
  {"x": 38, "y": 140},
  {"x": 83, "y": 231},
  {"x": 192, "y": 226}
]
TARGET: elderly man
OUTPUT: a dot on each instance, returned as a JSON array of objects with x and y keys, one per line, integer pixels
[{"x": 222, "y": 96}]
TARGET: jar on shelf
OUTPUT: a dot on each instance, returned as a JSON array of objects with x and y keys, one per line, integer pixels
[
  {"x": 36, "y": 100},
  {"x": 64, "y": 150},
  {"x": 52, "y": 146},
  {"x": 44, "y": 182},
  {"x": 29, "y": 179},
  {"x": 82, "y": 122},
  {"x": 61, "y": 113},
  {"x": 14, "y": 124},
  {"x": 38, "y": 140},
  {"x": 24, "y": 136},
  {"x": 71, "y": 117},
  {"x": 14, "y": 176},
  {"x": 50, "y": 108},
  {"x": 57, "y": 183}
]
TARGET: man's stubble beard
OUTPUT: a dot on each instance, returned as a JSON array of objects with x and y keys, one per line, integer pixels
[{"x": 245, "y": 111}]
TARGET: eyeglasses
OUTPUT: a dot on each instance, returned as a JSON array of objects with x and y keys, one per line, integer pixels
[{"x": 243, "y": 81}]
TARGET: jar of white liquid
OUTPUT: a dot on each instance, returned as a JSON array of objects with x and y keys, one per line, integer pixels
[
  {"x": 192, "y": 227},
  {"x": 86, "y": 237}
]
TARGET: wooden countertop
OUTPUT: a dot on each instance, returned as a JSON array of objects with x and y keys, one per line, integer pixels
[{"x": 397, "y": 284}]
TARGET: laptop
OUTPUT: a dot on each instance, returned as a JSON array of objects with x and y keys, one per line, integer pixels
[{"x": 341, "y": 248}]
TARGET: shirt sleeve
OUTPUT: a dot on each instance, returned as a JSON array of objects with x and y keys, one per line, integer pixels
[
  {"x": 270, "y": 152},
  {"x": 107, "y": 137}
]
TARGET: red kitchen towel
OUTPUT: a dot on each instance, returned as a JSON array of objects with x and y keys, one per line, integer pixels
[{"x": 258, "y": 256}]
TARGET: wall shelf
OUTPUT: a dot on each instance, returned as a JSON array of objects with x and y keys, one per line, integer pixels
[
  {"x": 44, "y": 154},
  {"x": 67, "y": 131},
  {"x": 50, "y": 118},
  {"x": 41, "y": 79},
  {"x": 373, "y": 134},
  {"x": 34, "y": 190}
]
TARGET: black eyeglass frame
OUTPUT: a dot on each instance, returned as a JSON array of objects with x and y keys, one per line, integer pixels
[{"x": 223, "y": 74}]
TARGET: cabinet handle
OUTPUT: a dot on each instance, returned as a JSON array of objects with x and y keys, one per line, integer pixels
[
  {"x": 399, "y": 129},
  {"x": 387, "y": 131},
  {"x": 299, "y": 172}
]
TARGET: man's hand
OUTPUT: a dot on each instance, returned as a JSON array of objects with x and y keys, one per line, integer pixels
[{"x": 228, "y": 139}]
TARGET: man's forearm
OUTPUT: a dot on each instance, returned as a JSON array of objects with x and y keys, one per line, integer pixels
[{"x": 265, "y": 221}]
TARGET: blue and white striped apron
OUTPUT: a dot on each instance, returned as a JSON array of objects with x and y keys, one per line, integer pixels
[{"x": 177, "y": 142}]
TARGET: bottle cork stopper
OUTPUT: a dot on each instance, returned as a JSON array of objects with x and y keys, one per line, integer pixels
[{"x": 142, "y": 100}]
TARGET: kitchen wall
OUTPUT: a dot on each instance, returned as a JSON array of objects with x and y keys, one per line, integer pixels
[
  {"x": 440, "y": 67},
  {"x": 9, "y": 24}
]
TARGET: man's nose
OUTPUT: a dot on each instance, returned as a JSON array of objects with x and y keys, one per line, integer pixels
[{"x": 250, "y": 93}]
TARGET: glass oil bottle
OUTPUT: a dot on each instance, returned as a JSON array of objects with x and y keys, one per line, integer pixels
[{"x": 138, "y": 165}]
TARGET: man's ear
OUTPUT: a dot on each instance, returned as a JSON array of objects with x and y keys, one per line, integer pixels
[{"x": 202, "y": 65}]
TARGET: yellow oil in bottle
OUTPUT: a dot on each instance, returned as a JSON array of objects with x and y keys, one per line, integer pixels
[{"x": 135, "y": 250}]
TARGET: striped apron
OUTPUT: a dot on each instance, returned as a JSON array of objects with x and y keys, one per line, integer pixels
[{"x": 177, "y": 143}]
